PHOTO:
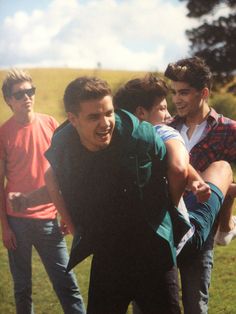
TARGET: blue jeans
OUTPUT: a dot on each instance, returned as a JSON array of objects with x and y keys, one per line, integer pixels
[
  {"x": 195, "y": 279},
  {"x": 46, "y": 237},
  {"x": 196, "y": 262}
]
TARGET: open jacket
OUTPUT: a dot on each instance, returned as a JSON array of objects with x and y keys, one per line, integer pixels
[{"x": 127, "y": 179}]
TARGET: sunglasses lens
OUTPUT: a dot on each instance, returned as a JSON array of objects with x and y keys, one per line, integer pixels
[
  {"x": 21, "y": 93},
  {"x": 30, "y": 92}
]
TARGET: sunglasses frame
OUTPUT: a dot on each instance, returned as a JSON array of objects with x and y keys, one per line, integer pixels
[{"x": 21, "y": 93}]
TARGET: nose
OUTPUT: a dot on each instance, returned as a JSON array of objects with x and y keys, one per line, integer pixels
[
  {"x": 104, "y": 121},
  {"x": 168, "y": 116},
  {"x": 176, "y": 98},
  {"x": 26, "y": 96}
]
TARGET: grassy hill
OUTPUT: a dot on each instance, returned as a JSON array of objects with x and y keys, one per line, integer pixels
[{"x": 50, "y": 84}]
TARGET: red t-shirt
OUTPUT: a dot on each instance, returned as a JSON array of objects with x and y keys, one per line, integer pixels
[{"x": 22, "y": 149}]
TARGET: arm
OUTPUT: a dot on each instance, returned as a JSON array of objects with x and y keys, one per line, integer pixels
[
  {"x": 8, "y": 236},
  {"x": 20, "y": 201},
  {"x": 182, "y": 175},
  {"x": 57, "y": 199},
  {"x": 177, "y": 172}
]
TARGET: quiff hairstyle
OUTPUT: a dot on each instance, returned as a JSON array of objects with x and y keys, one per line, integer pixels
[
  {"x": 193, "y": 71},
  {"x": 14, "y": 76},
  {"x": 82, "y": 89},
  {"x": 140, "y": 92}
]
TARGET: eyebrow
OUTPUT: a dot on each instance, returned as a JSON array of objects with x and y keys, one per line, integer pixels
[
  {"x": 180, "y": 90},
  {"x": 93, "y": 115}
]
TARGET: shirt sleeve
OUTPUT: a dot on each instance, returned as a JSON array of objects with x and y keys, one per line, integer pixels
[{"x": 168, "y": 133}]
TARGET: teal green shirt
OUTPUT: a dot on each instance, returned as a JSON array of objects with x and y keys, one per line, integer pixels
[{"x": 106, "y": 190}]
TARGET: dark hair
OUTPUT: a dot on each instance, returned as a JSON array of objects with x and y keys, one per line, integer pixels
[
  {"x": 140, "y": 92},
  {"x": 82, "y": 89},
  {"x": 14, "y": 76},
  {"x": 191, "y": 70}
]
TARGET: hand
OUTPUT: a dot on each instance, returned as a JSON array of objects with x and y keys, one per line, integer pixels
[
  {"x": 202, "y": 191},
  {"x": 18, "y": 201},
  {"x": 9, "y": 239}
]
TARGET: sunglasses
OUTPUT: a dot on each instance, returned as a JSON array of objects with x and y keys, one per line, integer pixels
[{"x": 21, "y": 93}]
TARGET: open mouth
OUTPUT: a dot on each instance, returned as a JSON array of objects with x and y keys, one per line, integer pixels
[
  {"x": 103, "y": 135},
  {"x": 181, "y": 107}
]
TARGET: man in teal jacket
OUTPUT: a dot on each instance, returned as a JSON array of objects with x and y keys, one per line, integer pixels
[{"x": 109, "y": 170}]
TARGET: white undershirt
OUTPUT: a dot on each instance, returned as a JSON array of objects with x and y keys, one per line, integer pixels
[{"x": 194, "y": 139}]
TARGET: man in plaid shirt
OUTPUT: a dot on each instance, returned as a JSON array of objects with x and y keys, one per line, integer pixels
[{"x": 209, "y": 137}]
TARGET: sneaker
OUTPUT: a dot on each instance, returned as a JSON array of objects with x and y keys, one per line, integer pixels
[{"x": 224, "y": 238}]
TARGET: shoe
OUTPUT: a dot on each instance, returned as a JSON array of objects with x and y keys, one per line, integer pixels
[{"x": 224, "y": 238}]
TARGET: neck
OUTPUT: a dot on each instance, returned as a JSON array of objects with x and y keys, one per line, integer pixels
[
  {"x": 198, "y": 117},
  {"x": 25, "y": 119}
]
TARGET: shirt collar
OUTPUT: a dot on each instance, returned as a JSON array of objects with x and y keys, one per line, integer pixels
[{"x": 178, "y": 121}]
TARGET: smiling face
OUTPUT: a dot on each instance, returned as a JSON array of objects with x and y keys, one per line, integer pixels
[
  {"x": 158, "y": 113},
  {"x": 94, "y": 122},
  {"x": 190, "y": 102},
  {"x": 21, "y": 106}
]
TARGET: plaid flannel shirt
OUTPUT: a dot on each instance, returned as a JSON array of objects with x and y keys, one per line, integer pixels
[{"x": 218, "y": 141}]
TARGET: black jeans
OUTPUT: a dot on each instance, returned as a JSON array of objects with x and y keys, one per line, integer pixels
[{"x": 127, "y": 270}]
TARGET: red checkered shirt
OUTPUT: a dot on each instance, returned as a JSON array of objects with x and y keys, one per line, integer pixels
[{"x": 218, "y": 141}]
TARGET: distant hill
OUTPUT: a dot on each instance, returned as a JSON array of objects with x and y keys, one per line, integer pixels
[{"x": 51, "y": 82}]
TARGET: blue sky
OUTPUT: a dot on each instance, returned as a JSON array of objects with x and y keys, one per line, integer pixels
[{"x": 118, "y": 34}]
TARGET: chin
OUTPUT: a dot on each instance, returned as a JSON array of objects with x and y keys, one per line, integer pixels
[
  {"x": 104, "y": 144},
  {"x": 182, "y": 114}
]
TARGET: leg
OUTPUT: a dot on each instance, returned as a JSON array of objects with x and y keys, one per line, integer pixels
[
  {"x": 51, "y": 246},
  {"x": 170, "y": 291},
  {"x": 109, "y": 287},
  {"x": 156, "y": 281},
  {"x": 203, "y": 215},
  {"x": 195, "y": 281},
  {"x": 159, "y": 293},
  {"x": 220, "y": 174},
  {"x": 20, "y": 266},
  {"x": 225, "y": 218},
  {"x": 227, "y": 222},
  {"x": 195, "y": 267}
]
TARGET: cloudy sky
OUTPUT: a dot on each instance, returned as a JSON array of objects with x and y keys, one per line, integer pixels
[{"x": 117, "y": 34}]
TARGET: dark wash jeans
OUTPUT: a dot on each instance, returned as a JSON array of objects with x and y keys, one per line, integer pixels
[
  {"x": 50, "y": 244},
  {"x": 136, "y": 266}
]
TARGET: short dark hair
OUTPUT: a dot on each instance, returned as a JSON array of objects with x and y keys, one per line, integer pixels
[
  {"x": 191, "y": 70},
  {"x": 14, "y": 76},
  {"x": 140, "y": 92},
  {"x": 82, "y": 89}
]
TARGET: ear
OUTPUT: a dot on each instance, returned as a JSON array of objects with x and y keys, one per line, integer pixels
[
  {"x": 8, "y": 102},
  {"x": 205, "y": 93},
  {"x": 72, "y": 118},
  {"x": 140, "y": 113}
]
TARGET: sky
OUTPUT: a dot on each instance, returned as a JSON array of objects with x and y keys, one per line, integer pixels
[{"x": 113, "y": 34}]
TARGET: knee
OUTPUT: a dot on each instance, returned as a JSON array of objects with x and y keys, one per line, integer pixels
[{"x": 224, "y": 167}]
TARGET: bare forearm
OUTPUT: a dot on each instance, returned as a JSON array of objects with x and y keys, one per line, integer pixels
[
  {"x": 193, "y": 175},
  {"x": 38, "y": 197},
  {"x": 178, "y": 162}
]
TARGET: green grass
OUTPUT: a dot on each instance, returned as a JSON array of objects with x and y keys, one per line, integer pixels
[
  {"x": 50, "y": 85},
  {"x": 222, "y": 291}
]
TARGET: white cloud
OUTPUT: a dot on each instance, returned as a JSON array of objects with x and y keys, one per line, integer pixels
[{"x": 131, "y": 34}]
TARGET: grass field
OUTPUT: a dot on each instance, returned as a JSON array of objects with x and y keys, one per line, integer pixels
[
  {"x": 222, "y": 291},
  {"x": 50, "y": 87}
]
